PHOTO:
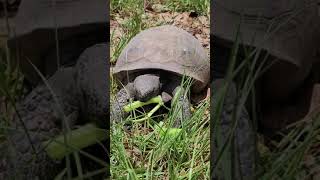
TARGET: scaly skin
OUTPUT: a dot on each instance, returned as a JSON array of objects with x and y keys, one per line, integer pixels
[
  {"x": 42, "y": 118},
  {"x": 122, "y": 98},
  {"x": 244, "y": 145},
  {"x": 183, "y": 104}
]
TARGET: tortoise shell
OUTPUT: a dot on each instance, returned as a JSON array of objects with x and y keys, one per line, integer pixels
[{"x": 165, "y": 48}]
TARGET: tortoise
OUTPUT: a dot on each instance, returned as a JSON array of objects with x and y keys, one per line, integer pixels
[
  {"x": 288, "y": 34},
  {"x": 155, "y": 62},
  {"x": 78, "y": 82}
]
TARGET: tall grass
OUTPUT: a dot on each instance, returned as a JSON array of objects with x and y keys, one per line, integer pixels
[
  {"x": 11, "y": 89},
  {"x": 200, "y": 7}
]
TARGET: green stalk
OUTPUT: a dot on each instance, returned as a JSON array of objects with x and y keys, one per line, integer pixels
[
  {"x": 149, "y": 113},
  {"x": 82, "y": 137},
  {"x": 136, "y": 104}
]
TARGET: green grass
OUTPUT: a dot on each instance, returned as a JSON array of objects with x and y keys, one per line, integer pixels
[
  {"x": 11, "y": 89},
  {"x": 131, "y": 27},
  {"x": 126, "y": 6},
  {"x": 200, "y": 7}
]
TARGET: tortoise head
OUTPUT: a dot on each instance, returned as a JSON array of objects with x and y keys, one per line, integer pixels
[{"x": 147, "y": 86}]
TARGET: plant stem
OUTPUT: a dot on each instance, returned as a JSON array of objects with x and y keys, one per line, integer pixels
[
  {"x": 149, "y": 113},
  {"x": 136, "y": 104}
]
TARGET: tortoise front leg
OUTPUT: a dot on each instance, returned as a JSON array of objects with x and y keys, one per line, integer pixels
[
  {"x": 122, "y": 98},
  {"x": 182, "y": 104},
  {"x": 241, "y": 153}
]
